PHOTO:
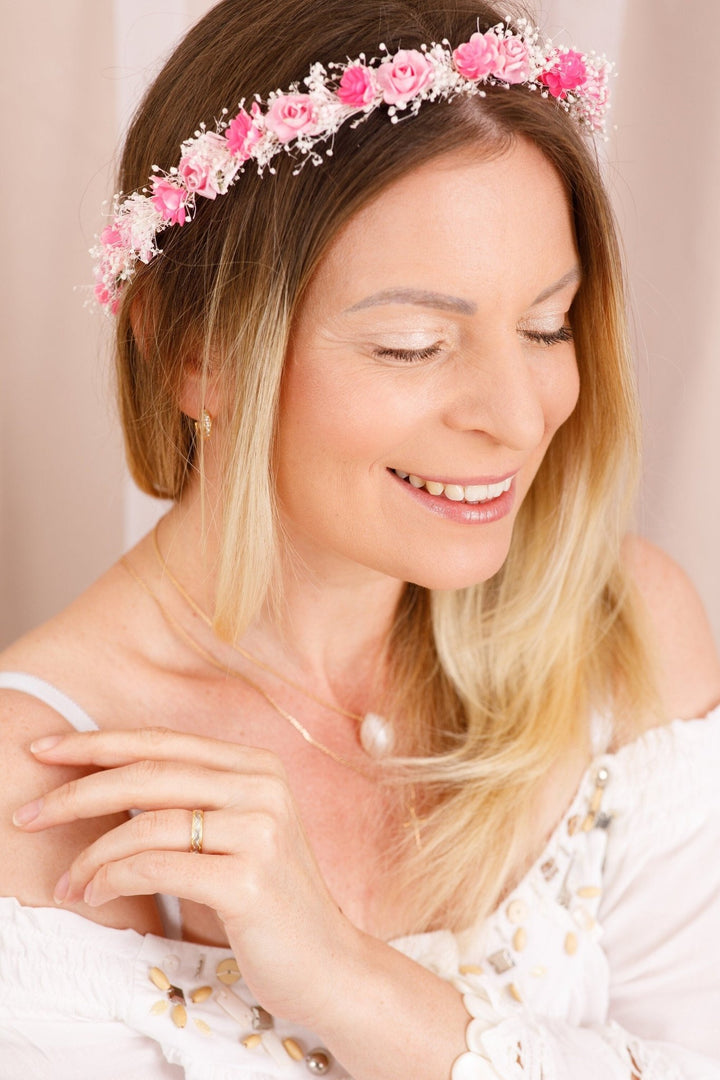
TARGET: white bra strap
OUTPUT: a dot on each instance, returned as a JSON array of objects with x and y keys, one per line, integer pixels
[{"x": 50, "y": 695}]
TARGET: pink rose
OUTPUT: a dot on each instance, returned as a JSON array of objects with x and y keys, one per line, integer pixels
[
  {"x": 110, "y": 236},
  {"x": 170, "y": 200},
  {"x": 478, "y": 57},
  {"x": 291, "y": 115},
  {"x": 567, "y": 73},
  {"x": 196, "y": 175},
  {"x": 357, "y": 87},
  {"x": 102, "y": 293},
  {"x": 513, "y": 61},
  {"x": 244, "y": 132},
  {"x": 404, "y": 76}
]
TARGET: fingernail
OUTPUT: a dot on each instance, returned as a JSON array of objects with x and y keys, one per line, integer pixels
[
  {"x": 61, "y": 889},
  {"x": 27, "y": 813},
  {"x": 88, "y": 895},
  {"x": 46, "y": 743}
]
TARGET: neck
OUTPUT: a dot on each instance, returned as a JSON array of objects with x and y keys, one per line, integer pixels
[{"x": 332, "y": 631}]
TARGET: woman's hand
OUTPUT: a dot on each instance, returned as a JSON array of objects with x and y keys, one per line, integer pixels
[{"x": 256, "y": 869}]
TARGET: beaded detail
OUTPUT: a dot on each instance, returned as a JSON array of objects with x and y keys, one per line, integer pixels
[{"x": 565, "y": 884}]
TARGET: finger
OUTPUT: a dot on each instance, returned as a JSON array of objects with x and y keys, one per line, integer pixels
[
  {"x": 165, "y": 830},
  {"x": 153, "y": 785},
  {"x": 148, "y": 872},
  {"x": 113, "y": 748}
]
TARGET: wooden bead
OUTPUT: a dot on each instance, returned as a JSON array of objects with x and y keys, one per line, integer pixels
[
  {"x": 571, "y": 943},
  {"x": 514, "y": 992},
  {"x": 519, "y": 939},
  {"x": 573, "y": 824},
  {"x": 159, "y": 978},
  {"x": 294, "y": 1049},
  {"x": 516, "y": 911},
  {"x": 228, "y": 971},
  {"x": 587, "y": 892},
  {"x": 202, "y": 1027},
  {"x": 470, "y": 969},
  {"x": 251, "y": 1042},
  {"x": 178, "y": 1016},
  {"x": 201, "y": 994}
]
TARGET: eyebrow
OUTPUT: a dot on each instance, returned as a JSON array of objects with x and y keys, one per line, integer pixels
[
  {"x": 443, "y": 302},
  {"x": 421, "y": 297}
]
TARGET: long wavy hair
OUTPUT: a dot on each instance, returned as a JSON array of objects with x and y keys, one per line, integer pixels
[{"x": 499, "y": 678}]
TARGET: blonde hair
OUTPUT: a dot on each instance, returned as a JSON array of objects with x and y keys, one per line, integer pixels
[{"x": 499, "y": 678}]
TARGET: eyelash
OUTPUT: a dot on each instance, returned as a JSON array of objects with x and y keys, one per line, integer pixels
[
  {"x": 555, "y": 338},
  {"x": 410, "y": 356}
]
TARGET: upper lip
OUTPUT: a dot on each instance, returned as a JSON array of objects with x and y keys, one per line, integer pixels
[{"x": 475, "y": 481}]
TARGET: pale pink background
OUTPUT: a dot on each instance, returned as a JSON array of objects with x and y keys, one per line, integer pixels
[{"x": 70, "y": 74}]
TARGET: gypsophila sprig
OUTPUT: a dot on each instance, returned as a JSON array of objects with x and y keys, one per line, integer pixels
[{"x": 301, "y": 121}]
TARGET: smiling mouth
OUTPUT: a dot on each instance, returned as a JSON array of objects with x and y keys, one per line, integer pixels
[{"x": 471, "y": 493}]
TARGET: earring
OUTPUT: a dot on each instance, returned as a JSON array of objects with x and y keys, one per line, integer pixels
[{"x": 203, "y": 426}]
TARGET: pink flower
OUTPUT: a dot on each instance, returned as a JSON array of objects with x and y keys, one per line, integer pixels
[
  {"x": 196, "y": 175},
  {"x": 357, "y": 87},
  {"x": 244, "y": 132},
  {"x": 291, "y": 115},
  {"x": 102, "y": 293},
  {"x": 513, "y": 61},
  {"x": 567, "y": 73},
  {"x": 478, "y": 57},
  {"x": 170, "y": 200},
  {"x": 404, "y": 76},
  {"x": 110, "y": 236}
]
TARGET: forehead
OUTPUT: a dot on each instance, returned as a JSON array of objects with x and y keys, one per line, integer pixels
[{"x": 486, "y": 230}]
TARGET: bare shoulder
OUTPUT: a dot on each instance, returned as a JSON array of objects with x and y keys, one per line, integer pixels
[
  {"x": 681, "y": 638},
  {"x": 32, "y": 863}
]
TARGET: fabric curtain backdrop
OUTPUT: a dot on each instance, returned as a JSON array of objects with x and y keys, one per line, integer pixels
[{"x": 70, "y": 79}]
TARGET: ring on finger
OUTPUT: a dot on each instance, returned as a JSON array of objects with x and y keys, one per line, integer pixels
[{"x": 196, "y": 831}]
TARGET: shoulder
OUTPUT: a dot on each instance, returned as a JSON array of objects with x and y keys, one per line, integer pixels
[{"x": 680, "y": 638}]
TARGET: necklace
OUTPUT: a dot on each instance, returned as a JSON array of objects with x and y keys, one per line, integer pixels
[
  {"x": 413, "y": 821},
  {"x": 376, "y": 733}
]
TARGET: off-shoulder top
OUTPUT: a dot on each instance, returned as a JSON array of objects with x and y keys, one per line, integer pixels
[{"x": 602, "y": 964}]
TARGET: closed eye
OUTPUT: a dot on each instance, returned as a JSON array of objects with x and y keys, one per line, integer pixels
[
  {"x": 555, "y": 338},
  {"x": 408, "y": 355}
]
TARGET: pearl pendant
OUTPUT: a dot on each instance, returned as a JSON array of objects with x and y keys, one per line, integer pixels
[{"x": 377, "y": 736}]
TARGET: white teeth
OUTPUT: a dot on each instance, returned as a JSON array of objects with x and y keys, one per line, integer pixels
[
  {"x": 473, "y": 493},
  {"x": 476, "y": 492}
]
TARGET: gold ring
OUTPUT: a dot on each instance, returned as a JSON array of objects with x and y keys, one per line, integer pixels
[{"x": 196, "y": 831}]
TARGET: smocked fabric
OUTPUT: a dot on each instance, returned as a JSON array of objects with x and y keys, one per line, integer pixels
[{"x": 602, "y": 964}]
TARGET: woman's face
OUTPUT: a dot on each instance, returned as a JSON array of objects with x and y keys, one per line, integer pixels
[{"x": 431, "y": 349}]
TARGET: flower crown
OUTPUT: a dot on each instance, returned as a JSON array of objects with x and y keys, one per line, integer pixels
[{"x": 296, "y": 121}]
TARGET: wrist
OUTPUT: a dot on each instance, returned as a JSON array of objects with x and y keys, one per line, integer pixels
[{"x": 388, "y": 1017}]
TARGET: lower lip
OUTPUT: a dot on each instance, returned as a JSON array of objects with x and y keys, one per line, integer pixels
[{"x": 461, "y": 512}]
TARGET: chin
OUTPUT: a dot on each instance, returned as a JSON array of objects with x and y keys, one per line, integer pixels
[{"x": 458, "y": 574}]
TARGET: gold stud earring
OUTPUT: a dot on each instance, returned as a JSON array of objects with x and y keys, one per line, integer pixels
[{"x": 203, "y": 425}]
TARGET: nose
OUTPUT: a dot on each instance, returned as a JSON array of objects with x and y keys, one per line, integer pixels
[{"x": 497, "y": 393}]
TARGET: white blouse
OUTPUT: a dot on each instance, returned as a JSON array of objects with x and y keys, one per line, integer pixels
[{"x": 603, "y": 963}]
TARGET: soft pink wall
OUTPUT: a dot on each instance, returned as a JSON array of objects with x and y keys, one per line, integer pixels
[
  {"x": 60, "y": 462},
  {"x": 68, "y": 79}
]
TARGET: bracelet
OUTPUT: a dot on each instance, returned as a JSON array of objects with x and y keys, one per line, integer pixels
[{"x": 474, "y": 1064}]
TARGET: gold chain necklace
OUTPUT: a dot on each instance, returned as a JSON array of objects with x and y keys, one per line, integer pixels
[
  {"x": 377, "y": 736},
  {"x": 234, "y": 673},
  {"x": 413, "y": 820}
]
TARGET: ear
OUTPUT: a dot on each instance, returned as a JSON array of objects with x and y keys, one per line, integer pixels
[{"x": 195, "y": 392}]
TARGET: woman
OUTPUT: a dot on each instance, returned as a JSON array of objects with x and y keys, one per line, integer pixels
[{"x": 388, "y": 666}]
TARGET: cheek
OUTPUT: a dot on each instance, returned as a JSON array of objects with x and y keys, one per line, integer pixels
[{"x": 559, "y": 393}]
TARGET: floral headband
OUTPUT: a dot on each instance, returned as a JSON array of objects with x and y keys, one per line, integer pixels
[{"x": 296, "y": 121}]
